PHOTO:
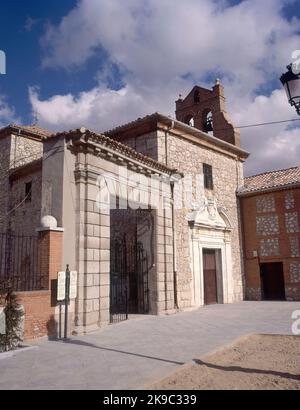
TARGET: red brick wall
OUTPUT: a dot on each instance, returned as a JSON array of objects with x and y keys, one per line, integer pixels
[
  {"x": 40, "y": 306},
  {"x": 209, "y": 101},
  {"x": 252, "y": 243}
]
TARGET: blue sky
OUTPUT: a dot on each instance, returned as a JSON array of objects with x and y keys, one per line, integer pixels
[
  {"x": 100, "y": 63},
  {"x": 24, "y": 53}
]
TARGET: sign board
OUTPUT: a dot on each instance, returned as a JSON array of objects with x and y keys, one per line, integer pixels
[
  {"x": 73, "y": 284},
  {"x": 61, "y": 286}
]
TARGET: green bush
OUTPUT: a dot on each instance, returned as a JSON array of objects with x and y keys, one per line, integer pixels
[{"x": 13, "y": 317}]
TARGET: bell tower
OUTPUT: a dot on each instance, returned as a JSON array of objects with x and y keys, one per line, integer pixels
[{"x": 205, "y": 109}]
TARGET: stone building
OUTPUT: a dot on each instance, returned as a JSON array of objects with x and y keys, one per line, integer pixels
[
  {"x": 21, "y": 152},
  {"x": 270, "y": 204},
  {"x": 147, "y": 212}
]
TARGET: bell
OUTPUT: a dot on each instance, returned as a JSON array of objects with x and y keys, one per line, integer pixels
[{"x": 208, "y": 126}]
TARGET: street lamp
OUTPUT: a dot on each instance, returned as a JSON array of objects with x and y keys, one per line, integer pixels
[{"x": 291, "y": 83}]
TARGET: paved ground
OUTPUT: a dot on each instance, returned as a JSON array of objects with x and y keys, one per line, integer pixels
[{"x": 134, "y": 353}]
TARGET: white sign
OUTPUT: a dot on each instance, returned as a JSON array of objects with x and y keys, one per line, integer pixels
[
  {"x": 2, "y": 321},
  {"x": 73, "y": 285},
  {"x": 61, "y": 286}
]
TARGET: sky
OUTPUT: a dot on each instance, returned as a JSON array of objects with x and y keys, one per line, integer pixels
[{"x": 102, "y": 63}]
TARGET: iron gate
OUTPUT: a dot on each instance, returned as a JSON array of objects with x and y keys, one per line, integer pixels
[{"x": 129, "y": 286}]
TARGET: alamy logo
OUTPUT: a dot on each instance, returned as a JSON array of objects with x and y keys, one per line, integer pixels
[
  {"x": 296, "y": 323},
  {"x": 296, "y": 62},
  {"x": 2, "y": 62}
]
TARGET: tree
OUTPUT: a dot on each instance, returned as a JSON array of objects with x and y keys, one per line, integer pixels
[{"x": 13, "y": 316}]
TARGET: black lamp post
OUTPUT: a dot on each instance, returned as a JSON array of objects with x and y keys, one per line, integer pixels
[{"x": 291, "y": 83}]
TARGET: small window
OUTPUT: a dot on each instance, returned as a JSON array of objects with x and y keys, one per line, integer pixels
[
  {"x": 208, "y": 177},
  {"x": 28, "y": 188},
  {"x": 196, "y": 96}
]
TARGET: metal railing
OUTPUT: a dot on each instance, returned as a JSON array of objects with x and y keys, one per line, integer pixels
[{"x": 20, "y": 262}]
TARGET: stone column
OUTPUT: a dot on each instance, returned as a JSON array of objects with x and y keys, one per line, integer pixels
[{"x": 93, "y": 227}]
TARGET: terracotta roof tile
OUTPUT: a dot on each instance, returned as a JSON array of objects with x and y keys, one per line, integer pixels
[
  {"x": 154, "y": 116},
  {"x": 35, "y": 129},
  {"x": 271, "y": 180}
]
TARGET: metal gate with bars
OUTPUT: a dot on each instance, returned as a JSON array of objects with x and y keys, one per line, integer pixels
[
  {"x": 129, "y": 287},
  {"x": 20, "y": 262}
]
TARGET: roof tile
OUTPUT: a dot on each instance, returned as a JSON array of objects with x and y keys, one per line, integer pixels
[{"x": 271, "y": 180}]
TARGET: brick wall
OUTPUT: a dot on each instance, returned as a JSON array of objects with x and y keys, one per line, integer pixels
[
  {"x": 208, "y": 101},
  {"x": 40, "y": 318},
  {"x": 272, "y": 234}
]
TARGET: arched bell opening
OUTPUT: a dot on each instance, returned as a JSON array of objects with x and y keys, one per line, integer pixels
[
  {"x": 207, "y": 121},
  {"x": 189, "y": 120}
]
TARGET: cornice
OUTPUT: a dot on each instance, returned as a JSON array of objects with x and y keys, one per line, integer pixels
[{"x": 88, "y": 142}]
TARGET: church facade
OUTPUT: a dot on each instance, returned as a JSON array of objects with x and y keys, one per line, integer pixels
[{"x": 147, "y": 212}]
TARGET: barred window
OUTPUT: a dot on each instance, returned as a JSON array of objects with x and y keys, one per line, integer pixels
[
  {"x": 208, "y": 176},
  {"x": 28, "y": 188}
]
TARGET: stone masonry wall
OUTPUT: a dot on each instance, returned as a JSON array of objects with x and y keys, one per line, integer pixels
[
  {"x": 25, "y": 215},
  {"x": 24, "y": 150},
  {"x": 16, "y": 151},
  {"x": 188, "y": 158},
  {"x": 5, "y": 144}
]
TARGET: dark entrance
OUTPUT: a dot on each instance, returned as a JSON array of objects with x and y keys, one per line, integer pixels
[
  {"x": 129, "y": 287},
  {"x": 272, "y": 281},
  {"x": 210, "y": 276},
  {"x": 129, "y": 290}
]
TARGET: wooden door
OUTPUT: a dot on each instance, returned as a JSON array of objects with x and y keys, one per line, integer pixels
[{"x": 210, "y": 277}]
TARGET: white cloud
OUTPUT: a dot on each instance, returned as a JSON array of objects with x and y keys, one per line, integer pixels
[
  {"x": 99, "y": 108},
  {"x": 7, "y": 113},
  {"x": 156, "y": 43},
  {"x": 272, "y": 146}
]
